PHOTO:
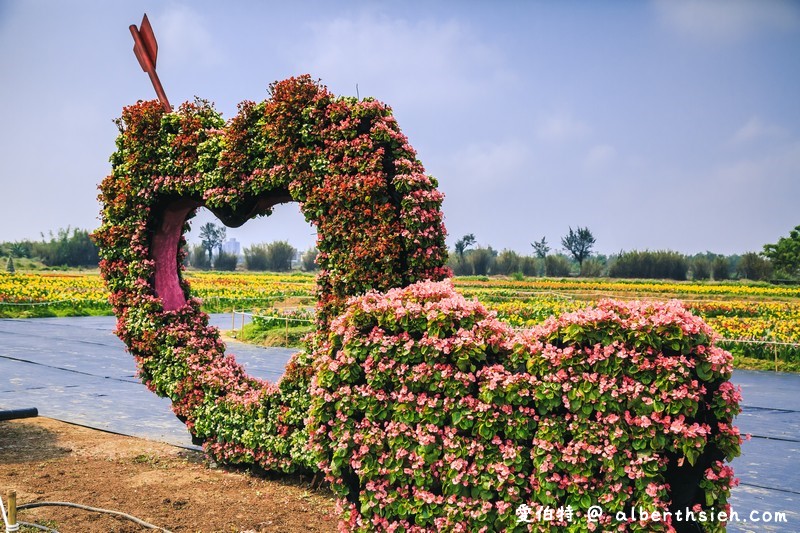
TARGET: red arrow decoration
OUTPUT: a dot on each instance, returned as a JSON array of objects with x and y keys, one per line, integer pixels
[{"x": 146, "y": 49}]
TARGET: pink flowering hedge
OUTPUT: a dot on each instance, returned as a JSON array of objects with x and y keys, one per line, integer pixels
[{"x": 429, "y": 414}]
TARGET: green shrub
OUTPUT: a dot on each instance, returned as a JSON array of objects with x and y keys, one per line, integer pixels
[
  {"x": 532, "y": 266},
  {"x": 70, "y": 247},
  {"x": 754, "y": 267},
  {"x": 279, "y": 256},
  {"x": 255, "y": 257},
  {"x": 226, "y": 261},
  {"x": 663, "y": 264},
  {"x": 592, "y": 268},
  {"x": 198, "y": 258},
  {"x": 507, "y": 263},
  {"x": 557, "y": 266},
  {"x": 308, "y": 261},
  {"x": 482, "y": 261},
  {"x": 701, "y": 268},
  {"x": 720, "y": 268}
]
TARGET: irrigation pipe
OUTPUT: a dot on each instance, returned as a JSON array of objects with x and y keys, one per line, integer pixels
[{"x": 94, "y": 510}]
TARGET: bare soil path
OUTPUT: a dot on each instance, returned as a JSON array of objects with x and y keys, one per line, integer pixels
[{"x": 170, "y": 487}]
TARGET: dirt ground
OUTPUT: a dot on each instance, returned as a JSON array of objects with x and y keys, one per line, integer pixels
[{"x": 173, "y": 488}]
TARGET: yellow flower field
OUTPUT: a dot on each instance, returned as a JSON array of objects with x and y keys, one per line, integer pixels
[{"x": 736, "y": 311}]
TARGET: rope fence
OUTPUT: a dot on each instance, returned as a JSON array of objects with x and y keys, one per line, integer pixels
[{"x": 278, "y": 318}]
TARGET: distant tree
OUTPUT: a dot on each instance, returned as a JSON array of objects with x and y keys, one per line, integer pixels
[
  {"x": 530, "y": 265},
  {"x": 557, "y": 266},
  {"x": 540, "y": 248},
  {"x": 785, "y": 254},
  {"x": 701, "y": 268},
  {"x": 20, "y": 249},
  {"x": 482, "y": 260},
  {"x": 198, "y": 258},
  {"x": 280, "y": 255},
  {"x": 754, "y": 267},
  {"x": 255, "y": 257},
  {"x": 720, "y": 268},
  {"x": 212, "y": 237},
  {"x": 507, "y": 263},
  {"x": 10, "y": 265},
  {"x": 593, "y": 267},
  {"x": 579, "y": 243},
  {"x": 308, "y": 261},
  {"x": 226, "y": 261},
  {"x": 463, "y": 243},
  {"x": 664, "y": 264},
  {"x": 68, "y": 247}
]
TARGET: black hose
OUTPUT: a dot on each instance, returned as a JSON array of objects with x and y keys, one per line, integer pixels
[{"x": 13, "y": 414}]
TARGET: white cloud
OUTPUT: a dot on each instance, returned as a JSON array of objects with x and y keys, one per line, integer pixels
[
  {"x": 421, "y": 62},
  {"x": 490, "y": 163},
  {"x": 773, "y": 175},
  {"x": 561, "y": 128},
  {"x": 727, "y": 20},
  {"x": 755, "y": 129},
  {"x": 183, "y": 36},
  {"x": 599, "y": 156}
]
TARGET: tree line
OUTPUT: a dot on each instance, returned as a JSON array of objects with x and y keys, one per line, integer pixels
[
  {"x": 72, "y": 247},
  {"x": 777, "y": 262},
  {"x": 68, "y": 247}
]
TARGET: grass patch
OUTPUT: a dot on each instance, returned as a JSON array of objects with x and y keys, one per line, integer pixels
[
  {"x": 751, "y": 363},
  {"x": 273, "y": 336}
]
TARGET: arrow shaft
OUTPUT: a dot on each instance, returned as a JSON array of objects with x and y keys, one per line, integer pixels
[{"x": 162, "y": 96}]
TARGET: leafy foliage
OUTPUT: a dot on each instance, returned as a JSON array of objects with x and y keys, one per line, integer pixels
[
  {"x": 652, "y": 265},
  {"x": 579, "y": 243},
  {"x": 464, "y": 243},
  {"x": 557, "y": 266},
  {"x": 255, "y": 257},
  {"x": 785, "y": 254},
  {"x": 541, "y": 248},
  {"x": 276, "y": 256},
  {"x": 225, "y": 261},
  {"x": 280, "y": 255},
  {"x": 198, "y": 257},
  {"x": 308, "y": 261},
  {"x": 212, "y": 237},
  {"x": 754, "y": 267},
  {"x": 68, "y": 247}
]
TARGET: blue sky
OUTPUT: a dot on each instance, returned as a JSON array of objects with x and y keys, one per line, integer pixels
[{"x": 661, "y": 125}]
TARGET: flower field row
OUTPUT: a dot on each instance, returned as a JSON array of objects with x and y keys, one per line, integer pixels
[
  {"x": 219, "y": 292},
  {"x": 734, "y": 311}
]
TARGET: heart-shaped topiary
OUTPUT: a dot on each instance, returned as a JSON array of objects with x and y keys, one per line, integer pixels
[
  {"x": 357, "y": 180},
  {"x": 427, "y": 414}
]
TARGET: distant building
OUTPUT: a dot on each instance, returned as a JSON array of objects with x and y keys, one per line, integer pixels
[{"x": 232, "y": 246}]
